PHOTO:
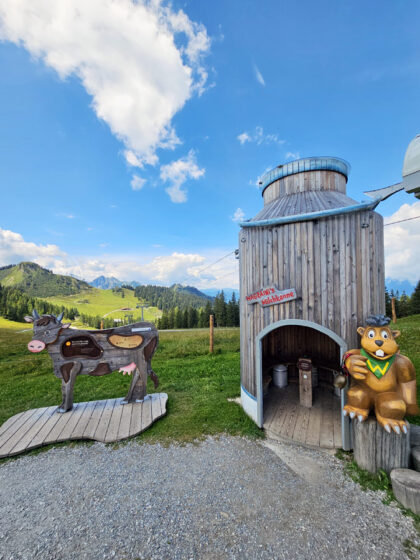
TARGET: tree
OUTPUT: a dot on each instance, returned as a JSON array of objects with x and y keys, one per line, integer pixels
[
  {"x": 220, "y": 309},
  {"x": 415, "y": 299},
  {"x": 388, "y": 305},
  {"x": 192, "y": 318},
  {"x": 404, "y": 305}
]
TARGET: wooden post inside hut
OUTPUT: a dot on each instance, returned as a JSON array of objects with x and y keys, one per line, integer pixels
[{"x": 311, "y": 271}]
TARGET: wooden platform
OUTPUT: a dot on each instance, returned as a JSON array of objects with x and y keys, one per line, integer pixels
[
  {"x": 105, "y": 421},
  {"x": 319, "y": 426}
]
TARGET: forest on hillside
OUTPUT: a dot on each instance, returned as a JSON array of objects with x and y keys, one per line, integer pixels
[
  {"x": 226, "y": 314},
  {"x": 404, "y": 305},
  {"x": 15, "y": 304},
  {"x": 176, "y": 296}
]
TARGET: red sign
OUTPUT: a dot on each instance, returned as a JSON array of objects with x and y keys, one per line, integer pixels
[{"x": 271, "y": 296}]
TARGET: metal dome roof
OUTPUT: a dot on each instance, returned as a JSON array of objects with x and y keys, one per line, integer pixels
[{"x": 305, "y": 164}]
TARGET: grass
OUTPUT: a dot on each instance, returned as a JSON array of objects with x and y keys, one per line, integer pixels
[
  {"x": 408, "y": 342},
  {"x": 96, "y": 302},
  {"x": 198, "y": 384}
]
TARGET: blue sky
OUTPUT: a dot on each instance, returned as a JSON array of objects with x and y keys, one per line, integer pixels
[{"x": 133, "y": 134}]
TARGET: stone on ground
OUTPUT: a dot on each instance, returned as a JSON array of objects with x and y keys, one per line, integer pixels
[{"x": 406, "y": 487}]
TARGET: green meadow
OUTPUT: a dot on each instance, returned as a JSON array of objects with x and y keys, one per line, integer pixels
[{"x": 96, "y": 302}]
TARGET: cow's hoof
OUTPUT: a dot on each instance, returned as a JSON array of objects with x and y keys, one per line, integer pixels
[
  {"x": 62, "y": 410},
  {"x": 125, "y": 401}
]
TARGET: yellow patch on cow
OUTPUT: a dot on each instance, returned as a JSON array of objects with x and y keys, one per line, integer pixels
[{"x": 132, "y": 341}]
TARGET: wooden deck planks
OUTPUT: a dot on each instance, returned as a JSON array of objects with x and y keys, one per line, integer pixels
[
  {"x": 13, "y": 423},
  {"x": 25, "y": 439},
  {"x": 136, "y": 419},
  {"x": 106, "y": 421},
  {"x": 147, "y": 418},
  {"x": 76, "y": 415},
  {"x": 114, "y": 423},
  {"x": 102, "y": 427},
  {"x": 12, "y": 420},
  {"x": 80, "y": 427},
  {"x": 16, "y": 434},
  {"x": 318, "y": 426},
  {"x": 124, "y": 428},
  {"x": 94, "y": 420},
  {"x": 326, "y": 438}
]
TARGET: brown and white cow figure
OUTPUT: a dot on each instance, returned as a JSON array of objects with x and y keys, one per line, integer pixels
[{"x": 80, "y": 352}]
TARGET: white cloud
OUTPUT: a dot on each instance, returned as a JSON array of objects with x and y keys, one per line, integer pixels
[
  {"x": 259, "y": 137},
  {"x": 259, "y": 76},
  {"x": 140, "y": 61},
  {"x": 402, "y": 244},
  {"x": 244, "y": 137},
  {"x": 238, "y": 216},
  {"x": 137, "y": 183},
  {"x": 179, "y": 171},
  {"x": 14, "y": 249},
  {"x": 132, "y": 159},
  {"x": 292, "y": 155},
  {"x": 186, "y": 268}
]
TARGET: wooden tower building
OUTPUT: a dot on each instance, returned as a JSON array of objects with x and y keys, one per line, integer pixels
[{"x": 311, "y": 271}]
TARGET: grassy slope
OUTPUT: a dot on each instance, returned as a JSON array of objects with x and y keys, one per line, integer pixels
[
  {"x": 408, "y": 342},
  {"x": 198, "y": 384},
  {"x": 6, "y": 324},
  {"x": 101, "y": 302},
  {"x": 39, "y": 282}
]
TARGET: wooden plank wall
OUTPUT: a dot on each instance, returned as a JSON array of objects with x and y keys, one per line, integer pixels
[
  {"x": 305, "y": 181},
  {"x": 335, "y": 264},
  {"x": 288, "y": 344}
]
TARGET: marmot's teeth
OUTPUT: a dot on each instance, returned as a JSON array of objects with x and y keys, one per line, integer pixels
[{"x": 380, "y": 353}]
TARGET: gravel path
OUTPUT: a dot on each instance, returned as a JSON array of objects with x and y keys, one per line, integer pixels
[{"x": 222, "y": 498}]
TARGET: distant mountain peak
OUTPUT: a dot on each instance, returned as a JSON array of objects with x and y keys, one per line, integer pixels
[{"x": 106, "y": 282}]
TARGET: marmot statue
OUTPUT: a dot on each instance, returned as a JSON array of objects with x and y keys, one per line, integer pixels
[{"x": 382, "y": 379}]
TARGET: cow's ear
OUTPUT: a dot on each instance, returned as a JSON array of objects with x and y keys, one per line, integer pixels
[
  {"x": 65, "y": 325},
  {"x": 29, "y": 319}
]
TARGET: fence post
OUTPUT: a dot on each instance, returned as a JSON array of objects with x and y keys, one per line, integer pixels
[
  {"x": 211, "y": 333},
  {"x": 394, "y": 315}
]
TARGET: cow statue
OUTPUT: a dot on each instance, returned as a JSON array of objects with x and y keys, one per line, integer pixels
[{"x": 81, "y": 352}]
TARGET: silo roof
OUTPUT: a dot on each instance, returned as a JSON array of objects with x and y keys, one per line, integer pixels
[
  {"x": 303, "y": 203},
  {"x": 319, "y": 163}
]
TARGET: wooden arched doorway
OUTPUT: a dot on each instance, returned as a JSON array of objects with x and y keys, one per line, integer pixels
[{"x": 321, "y": 423}]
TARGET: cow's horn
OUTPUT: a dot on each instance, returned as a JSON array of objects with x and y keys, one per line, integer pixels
[
  {"x": 59, "y": 318},
  {"x": 35, "y": 314}
]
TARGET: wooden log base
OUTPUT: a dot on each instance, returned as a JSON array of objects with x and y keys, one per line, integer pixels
[
  {"x": 415, "y": 457},
  {"x": 415, "y": 436},
  {"x": 406, "y": 487},
  {"x": 375, "y": 449},
  {"x": 107, "y": 421}
]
